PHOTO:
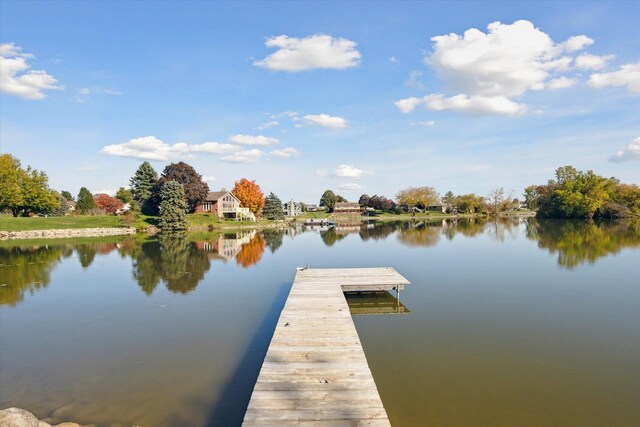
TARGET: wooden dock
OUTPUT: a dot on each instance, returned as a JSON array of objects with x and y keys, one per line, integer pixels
[{"x": 315, "y": 371}]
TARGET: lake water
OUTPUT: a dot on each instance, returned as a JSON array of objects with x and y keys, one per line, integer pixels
[{"x": 524, "y": 323}]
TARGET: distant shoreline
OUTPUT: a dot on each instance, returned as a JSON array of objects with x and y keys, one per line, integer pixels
[{"x": 66, "y": 233}]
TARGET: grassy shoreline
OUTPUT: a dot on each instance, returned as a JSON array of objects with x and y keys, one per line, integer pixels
[{"x": 201, "y": 222}]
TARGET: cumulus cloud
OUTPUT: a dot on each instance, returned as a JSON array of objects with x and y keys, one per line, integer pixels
[
  {"x": 628, "y": 75},
  {"x": 252, "y": 140},
  {"x": 561, "y": 83},
  {"x": 308, "y": 53},
  {"x": 152, "y": 148},
  {"x": 473, "y": 105},
  {"x": 576, "y": 43},
  {"x": 350, "y": 186},
  {"x": 586, "y": 61},
  {"x": 631, "y": 152},
  {"x": 285, "y": 152},
  {"x": 349, "y": 171},
  {"x": 245, "y": 156},
  {"x": 488, "y": 69},
  {"x": 17, "y": 78},
  {"x": 325, "y": 121},
  {"x": 407, "y": 105},
  {"x": 507, "y": 61}
]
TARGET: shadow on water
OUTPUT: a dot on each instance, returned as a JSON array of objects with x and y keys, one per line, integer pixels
[{"x": 235, "y": 395}]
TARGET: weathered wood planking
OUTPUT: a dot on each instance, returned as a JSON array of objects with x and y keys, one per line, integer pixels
[{"x": 315, "y": 372}]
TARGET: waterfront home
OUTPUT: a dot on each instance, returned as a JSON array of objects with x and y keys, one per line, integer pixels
[
  {"x": 311, "y": 208},
  {"x": 437, "y": 207},
  {"x": 225, "y": 205},
  {"x": 292, "y": 208},
  {"x": 347, "y": 208}
]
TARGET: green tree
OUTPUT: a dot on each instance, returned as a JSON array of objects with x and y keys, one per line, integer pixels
[
  {"x": 173, "y": 207},
  {"x": 24, "y": 191},
  {"x": 143, "y": 183},
  {"x": 421, "y": 197},
  {"x": 364, "y": 200},
  {"x": 125, "y": 195},
  {"x": 11, "y": 174},
  {"x": 195, "y": 189},
  {"x": 575, "y": 194},
  {"x": 328, "y": 200},
  {"x": 273, "y": 207},
  {"x": 68, "y": 197},
  {"x": 85, "y": 202}
]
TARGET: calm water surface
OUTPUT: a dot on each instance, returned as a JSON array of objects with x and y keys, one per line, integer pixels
[{"x": 526, "y": 323}]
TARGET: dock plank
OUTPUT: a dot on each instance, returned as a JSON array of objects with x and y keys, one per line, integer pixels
[{"x": 315, "y": 371}]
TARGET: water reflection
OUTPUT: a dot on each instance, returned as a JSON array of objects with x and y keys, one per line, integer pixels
[
  {"x": 180, "y": 261},
  {"x": 577, "y": 242}
]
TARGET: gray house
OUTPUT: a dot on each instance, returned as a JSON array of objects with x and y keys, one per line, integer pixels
[{"x": 292, "y": 208}]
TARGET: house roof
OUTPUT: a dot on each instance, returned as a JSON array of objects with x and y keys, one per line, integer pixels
[
  {"x": 347, "y": 205},
  {"x": 214, "y": 196}
]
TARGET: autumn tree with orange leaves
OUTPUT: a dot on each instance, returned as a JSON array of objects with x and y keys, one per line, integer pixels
[{"x": 250, "y": 195}]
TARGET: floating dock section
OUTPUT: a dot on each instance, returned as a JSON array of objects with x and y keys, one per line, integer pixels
[{"x": 315, "y": 371}]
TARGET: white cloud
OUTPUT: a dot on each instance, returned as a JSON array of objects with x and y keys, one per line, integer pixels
[
  {"x": 268, "y": 125},
  {"x": 474, "y": 105},
  {"x": 487, "y": 70},
  {"x": 308, "y": 53},
  {"x": 587, "y": 61},
  {"x": 407, "y": 105},
  {"x": 507, "y": 61},
  {"x": 351, "y": 186},
  {"x": 246, "y": 156},
  {"x": 17, "y": 78},
  {"x": 349, "y": 171},
  {"x": 209, "y": 178},
  {"x": 285, "y": 152},
  {"x": 289, "y": 113},
  {"x": 326, "y": 121},
  {"x": 252, "y": 140},
  {"x": 413, "y": 80},
  {"x": 426, "y": 123},
  {"x": 561, "y": 83},
  {"x": 84, "y": 93},
  {"x": 152, "y": 148},
  {"x": 631, "y": 152},
  {"x": 628, "y": 75},
  {"x": 393, "y": 59},
  {"x": 576, "y": 43},
  {"x": 208, "y": 148}
]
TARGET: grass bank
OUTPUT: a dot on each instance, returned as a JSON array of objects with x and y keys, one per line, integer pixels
[{"x": 9, "y": 223}]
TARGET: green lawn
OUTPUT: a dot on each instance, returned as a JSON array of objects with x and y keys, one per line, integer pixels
[{"x": 9, "y": 223}]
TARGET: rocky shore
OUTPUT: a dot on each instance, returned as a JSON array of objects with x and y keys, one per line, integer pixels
[
  {"x": 66, "y": 233},
  {"x": 16, "y": 417}
]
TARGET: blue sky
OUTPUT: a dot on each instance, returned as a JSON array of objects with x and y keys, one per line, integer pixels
[{"x": 358, "y": 97}]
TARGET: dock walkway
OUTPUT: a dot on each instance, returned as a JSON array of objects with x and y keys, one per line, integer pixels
[{"x": 315, "y": 371}]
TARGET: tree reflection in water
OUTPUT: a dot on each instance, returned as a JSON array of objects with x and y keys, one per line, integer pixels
[
  {"x": 181, "y": 264},
  {"x": 251, "y": 252},
  {"x": 578, "y": 241}
]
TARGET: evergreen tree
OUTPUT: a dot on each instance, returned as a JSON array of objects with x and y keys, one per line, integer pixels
[
  {"x": 195, "y": 189},
  {"x": 142, "y": 184},
  {"x": 273, "y": 207},
  {"x": 67, "y": 195},
  {"x": 173, "y": 207},
  {"x": 85, "y": 201}
]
